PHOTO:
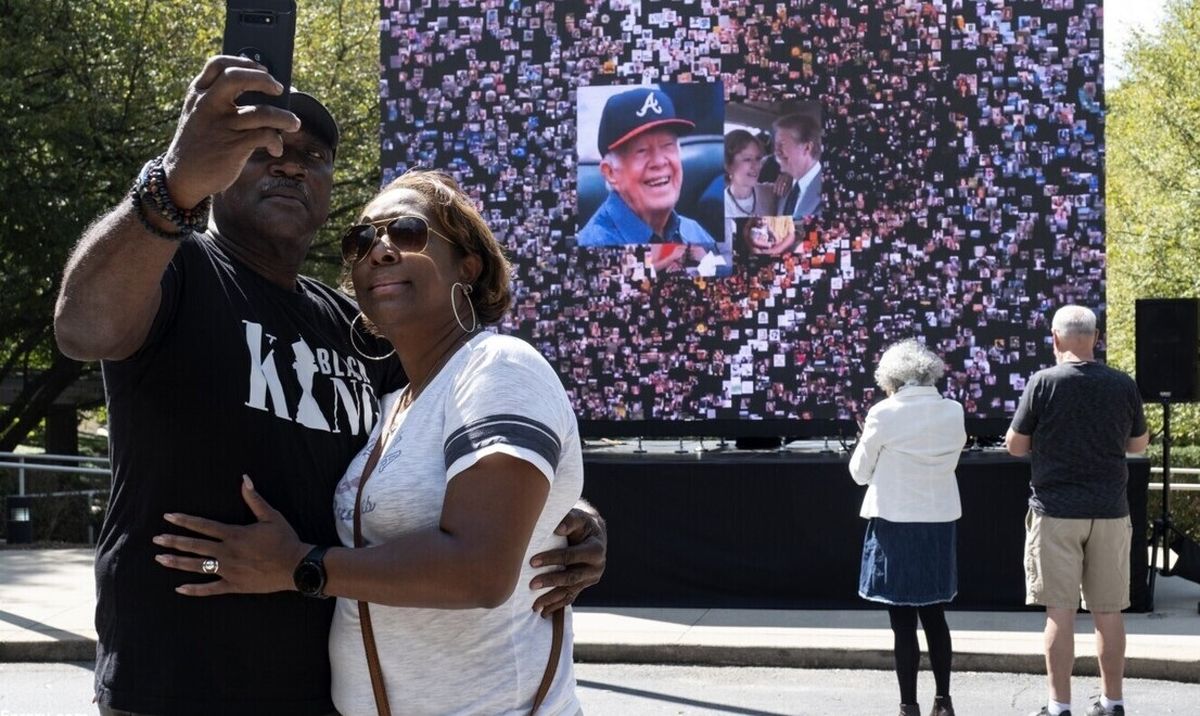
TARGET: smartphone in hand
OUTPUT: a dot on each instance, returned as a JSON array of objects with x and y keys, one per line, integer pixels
[{"x": 264, "y": 31}]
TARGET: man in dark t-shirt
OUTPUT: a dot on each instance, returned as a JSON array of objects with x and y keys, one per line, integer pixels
[
  {"x": 1078, "y": 419},
  {"x": 219, "y": 361}
]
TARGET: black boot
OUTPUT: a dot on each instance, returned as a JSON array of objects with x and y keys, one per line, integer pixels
[
  {"x": 910, "y": 710},
  {"x": 942, "y": 706}
]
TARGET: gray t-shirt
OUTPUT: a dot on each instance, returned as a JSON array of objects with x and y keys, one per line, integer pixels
[{"x": 1080, "y": 416}]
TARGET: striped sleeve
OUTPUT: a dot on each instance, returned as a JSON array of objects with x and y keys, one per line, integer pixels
[
  {"x": 506, "y": 400},
  {"x": 515, "y": 430}
]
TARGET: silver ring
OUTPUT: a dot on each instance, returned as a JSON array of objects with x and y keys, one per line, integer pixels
[{"x": 209, "y": 566}]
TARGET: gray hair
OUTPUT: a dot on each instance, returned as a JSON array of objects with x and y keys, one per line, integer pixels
[
  {"x": 908, "y": 362},
  {"x": 1072, "y": 321},
  {"x": 612, "y": 159}
]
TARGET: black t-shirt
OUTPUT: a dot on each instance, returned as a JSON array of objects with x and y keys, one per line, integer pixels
[
  {"x": 238, "y": 376},
  {"x": 1080, "y": 416}
]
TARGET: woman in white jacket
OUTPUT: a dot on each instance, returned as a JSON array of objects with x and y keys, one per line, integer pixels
[{"x": 906, "y": 454}]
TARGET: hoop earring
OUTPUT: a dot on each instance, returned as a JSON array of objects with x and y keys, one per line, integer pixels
[
  {"x": 354, "y": 343},
  {"x": 466, "y": 290}
]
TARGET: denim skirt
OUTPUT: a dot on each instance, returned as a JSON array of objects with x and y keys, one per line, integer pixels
[{"x": 909, "y": 563}]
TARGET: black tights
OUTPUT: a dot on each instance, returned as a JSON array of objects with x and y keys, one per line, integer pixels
[{"x": 908, "y": 651}]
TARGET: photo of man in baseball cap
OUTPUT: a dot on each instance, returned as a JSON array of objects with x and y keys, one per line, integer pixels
[{"x": 641, "y": 164}]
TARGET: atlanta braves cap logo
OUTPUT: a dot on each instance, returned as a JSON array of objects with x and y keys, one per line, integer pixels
[
  {"x": 630, "y": 113},
  {"x": 650, "y": 105}
]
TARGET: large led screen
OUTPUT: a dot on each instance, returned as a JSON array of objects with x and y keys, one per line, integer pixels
[{"x": 720, "y": 213}]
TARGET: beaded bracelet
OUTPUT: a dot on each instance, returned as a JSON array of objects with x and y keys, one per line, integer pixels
[
  {"x": 150, "y": 225},
  {"x": 151, "y": 187}
]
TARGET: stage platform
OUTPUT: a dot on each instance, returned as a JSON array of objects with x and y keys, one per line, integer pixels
[{"x": 779, "y": 529}]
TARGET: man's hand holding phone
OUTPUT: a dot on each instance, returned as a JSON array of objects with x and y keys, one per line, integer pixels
[{"x": 216, "y": 136}]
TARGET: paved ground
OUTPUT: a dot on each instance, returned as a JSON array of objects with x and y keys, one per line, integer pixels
[
  {"x": 618, "y": 690},
  {"x": 47, "y": 601},
  {"x": 637, "y": 690}
]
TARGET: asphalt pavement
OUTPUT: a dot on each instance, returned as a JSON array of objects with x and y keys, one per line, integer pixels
[{"x": 654, "y": 690}]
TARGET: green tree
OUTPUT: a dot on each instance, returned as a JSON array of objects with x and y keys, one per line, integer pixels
[
  {"x": 1153, "y": 140},
  {"x": 337, "y": 59},
  {"x": 89, "y": 92}
]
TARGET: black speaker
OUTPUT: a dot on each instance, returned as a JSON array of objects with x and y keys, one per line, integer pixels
[{"x": 1168, "y": 344}]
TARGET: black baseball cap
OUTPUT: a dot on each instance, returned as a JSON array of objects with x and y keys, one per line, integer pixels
[
  {"x": 314, "y": 117},
  {"x": 628, "y": 114}
]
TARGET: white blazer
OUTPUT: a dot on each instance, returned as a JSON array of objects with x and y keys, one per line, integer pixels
[{"x": 907, "y": 454}]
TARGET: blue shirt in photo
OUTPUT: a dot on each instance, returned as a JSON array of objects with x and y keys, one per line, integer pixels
[{"x": 615, "y": 224}]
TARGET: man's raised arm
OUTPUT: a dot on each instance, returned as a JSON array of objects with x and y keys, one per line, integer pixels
[{"x": 111, "y": 284}]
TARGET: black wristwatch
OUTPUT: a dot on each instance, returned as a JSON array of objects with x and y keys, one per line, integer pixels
[{"x": 309, "y": 576}]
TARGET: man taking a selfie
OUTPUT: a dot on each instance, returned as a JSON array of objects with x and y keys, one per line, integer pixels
[{"x": 220, "y": 361}]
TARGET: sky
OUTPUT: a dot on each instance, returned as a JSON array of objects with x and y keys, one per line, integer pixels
[{"x": 1120, "y": 18}]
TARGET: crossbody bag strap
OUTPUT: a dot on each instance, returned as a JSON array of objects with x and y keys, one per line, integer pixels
[
  {"x": 556, "y": 643},
  {"x": 364, "y": 611},
  {"x": 368, "y": 633}
]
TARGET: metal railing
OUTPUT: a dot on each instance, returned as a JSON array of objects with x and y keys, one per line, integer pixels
[
  {"x": 38, "y": 462},
  {"x": 24, "y": 463},
  {"x": 1180, "y": 486}
]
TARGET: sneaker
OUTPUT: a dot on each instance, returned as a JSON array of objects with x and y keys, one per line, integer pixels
[
  {"x": 1098, "y": 709},
  {"x": 1046, "y": 712},
  {"x": 942, "y": 706}
]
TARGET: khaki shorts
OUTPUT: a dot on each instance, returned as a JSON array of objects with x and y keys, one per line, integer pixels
[{"x": 1063, "y": 555}]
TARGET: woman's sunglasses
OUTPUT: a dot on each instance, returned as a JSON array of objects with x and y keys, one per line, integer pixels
[{"x": 407, "y": 234}]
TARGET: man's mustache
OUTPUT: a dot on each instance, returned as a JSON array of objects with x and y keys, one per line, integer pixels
[{"x": 275, "y": 183}]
